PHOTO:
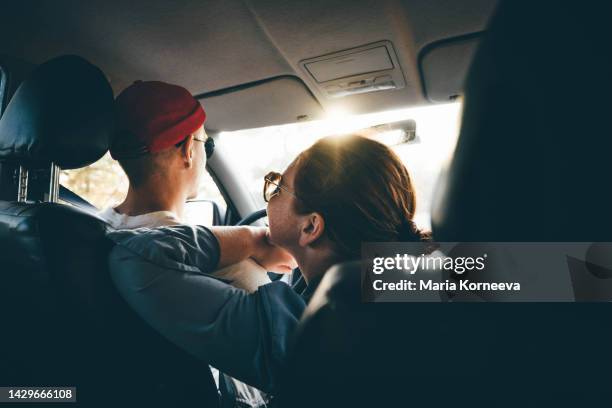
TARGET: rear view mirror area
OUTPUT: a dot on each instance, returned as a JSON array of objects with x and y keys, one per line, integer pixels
[{"x": 393, "y": 134}]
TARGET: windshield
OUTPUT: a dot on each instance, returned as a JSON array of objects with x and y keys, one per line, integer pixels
[{"x": 255, "y": 152}]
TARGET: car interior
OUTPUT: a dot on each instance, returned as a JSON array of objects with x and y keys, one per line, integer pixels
[{"x": 530, "y": 165}]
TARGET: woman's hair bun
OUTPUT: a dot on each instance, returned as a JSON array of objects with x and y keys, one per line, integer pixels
[{"x": 408, "y": 232}]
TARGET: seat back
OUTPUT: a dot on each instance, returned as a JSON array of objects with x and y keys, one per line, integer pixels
[
  {"x": 350, "y": 353},
  {"x": 532, "y": 157},
  {"x": 68, "y": 324}
]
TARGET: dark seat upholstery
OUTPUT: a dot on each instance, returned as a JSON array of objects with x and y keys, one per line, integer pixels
[
  {"x": 354, "y": 354},
  {"x": 63, "y": 321},
  {"x": 531, "y": 164}
]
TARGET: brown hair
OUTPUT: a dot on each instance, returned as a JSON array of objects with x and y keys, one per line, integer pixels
[{"x": 361, "y": 188}]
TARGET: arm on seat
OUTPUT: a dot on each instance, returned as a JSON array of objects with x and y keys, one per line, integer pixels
[{"x": 245, "y": 335}]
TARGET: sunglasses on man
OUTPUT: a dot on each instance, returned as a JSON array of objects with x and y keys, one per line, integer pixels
[{"x": 209, "y": 145}]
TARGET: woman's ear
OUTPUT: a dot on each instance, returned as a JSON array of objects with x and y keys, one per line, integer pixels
[
  {"x": 187, "y": 151},
  {"x": 312, "y": 229}
]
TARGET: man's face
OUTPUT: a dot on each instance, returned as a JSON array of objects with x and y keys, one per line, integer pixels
[
  {"x": 282, "y": 217},
  {"x": 199, "y": 162}
]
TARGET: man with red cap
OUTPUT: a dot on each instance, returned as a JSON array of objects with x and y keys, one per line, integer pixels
[{"x": 162, "y": 147}]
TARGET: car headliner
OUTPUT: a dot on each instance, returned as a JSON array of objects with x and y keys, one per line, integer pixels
[{"x": 213, "y": 48}]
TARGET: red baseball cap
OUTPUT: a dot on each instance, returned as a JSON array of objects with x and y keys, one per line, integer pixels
[{"x": 153, "y": 116}]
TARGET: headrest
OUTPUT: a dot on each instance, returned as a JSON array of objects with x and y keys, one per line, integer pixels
[
  {"x": 63, "y": 113},
  {"x": 532, "y": 159}
]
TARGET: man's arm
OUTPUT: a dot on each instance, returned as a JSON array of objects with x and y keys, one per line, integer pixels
[
  {"x": 244, "y": 335},
  {"x": 239, "y": 243}
]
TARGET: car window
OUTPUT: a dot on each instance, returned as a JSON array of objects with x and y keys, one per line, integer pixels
[
  {"x": 258, "y": 151},
  {"x": 104, "y": 184}
]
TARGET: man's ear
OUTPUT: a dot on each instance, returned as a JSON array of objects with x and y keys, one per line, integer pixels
[
  {"x": 187, "y": 151},
  {"x": 312, "y": 228}
]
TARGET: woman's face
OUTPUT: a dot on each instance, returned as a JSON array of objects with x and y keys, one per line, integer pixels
[{"x": 282, "y": 217}]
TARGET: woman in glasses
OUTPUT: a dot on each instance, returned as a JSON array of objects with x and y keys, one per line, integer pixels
[{"x": 335, "y": 195}]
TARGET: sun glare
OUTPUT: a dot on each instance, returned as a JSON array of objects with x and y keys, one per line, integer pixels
[{"x": 257, "y": 151}]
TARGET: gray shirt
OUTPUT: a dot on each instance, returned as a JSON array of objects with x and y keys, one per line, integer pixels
[{"x": 165, "y": 274}]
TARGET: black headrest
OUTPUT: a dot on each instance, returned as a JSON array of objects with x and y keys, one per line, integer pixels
[
  {"x": 532, "y": 160},
  {"x": 63, "y": 113}
]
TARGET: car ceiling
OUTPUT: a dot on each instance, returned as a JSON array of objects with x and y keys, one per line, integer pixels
[{"x": 214, "y": 48}]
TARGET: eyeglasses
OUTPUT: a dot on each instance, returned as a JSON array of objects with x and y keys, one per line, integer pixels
[
  {"x": 273, "y": 187},
  {"x": 209, "y": 145}
]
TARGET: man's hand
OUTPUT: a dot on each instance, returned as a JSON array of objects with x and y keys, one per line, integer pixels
[{"x": 271, "y": 257}]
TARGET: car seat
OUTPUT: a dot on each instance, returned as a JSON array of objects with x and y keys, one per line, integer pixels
[{"x": 64, "y": 324}]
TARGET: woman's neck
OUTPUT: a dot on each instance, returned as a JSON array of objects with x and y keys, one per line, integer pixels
[{"x": 315, "y": 262}]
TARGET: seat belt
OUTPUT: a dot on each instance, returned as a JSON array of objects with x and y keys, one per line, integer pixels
[{"x": 70, "y": 197}]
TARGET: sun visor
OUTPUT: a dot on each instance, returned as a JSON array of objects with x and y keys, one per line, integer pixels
[
  {"x": 369, "y": 68},
  {"x": 444, "y": 65},
  {"x": 269, "y": 102}
]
